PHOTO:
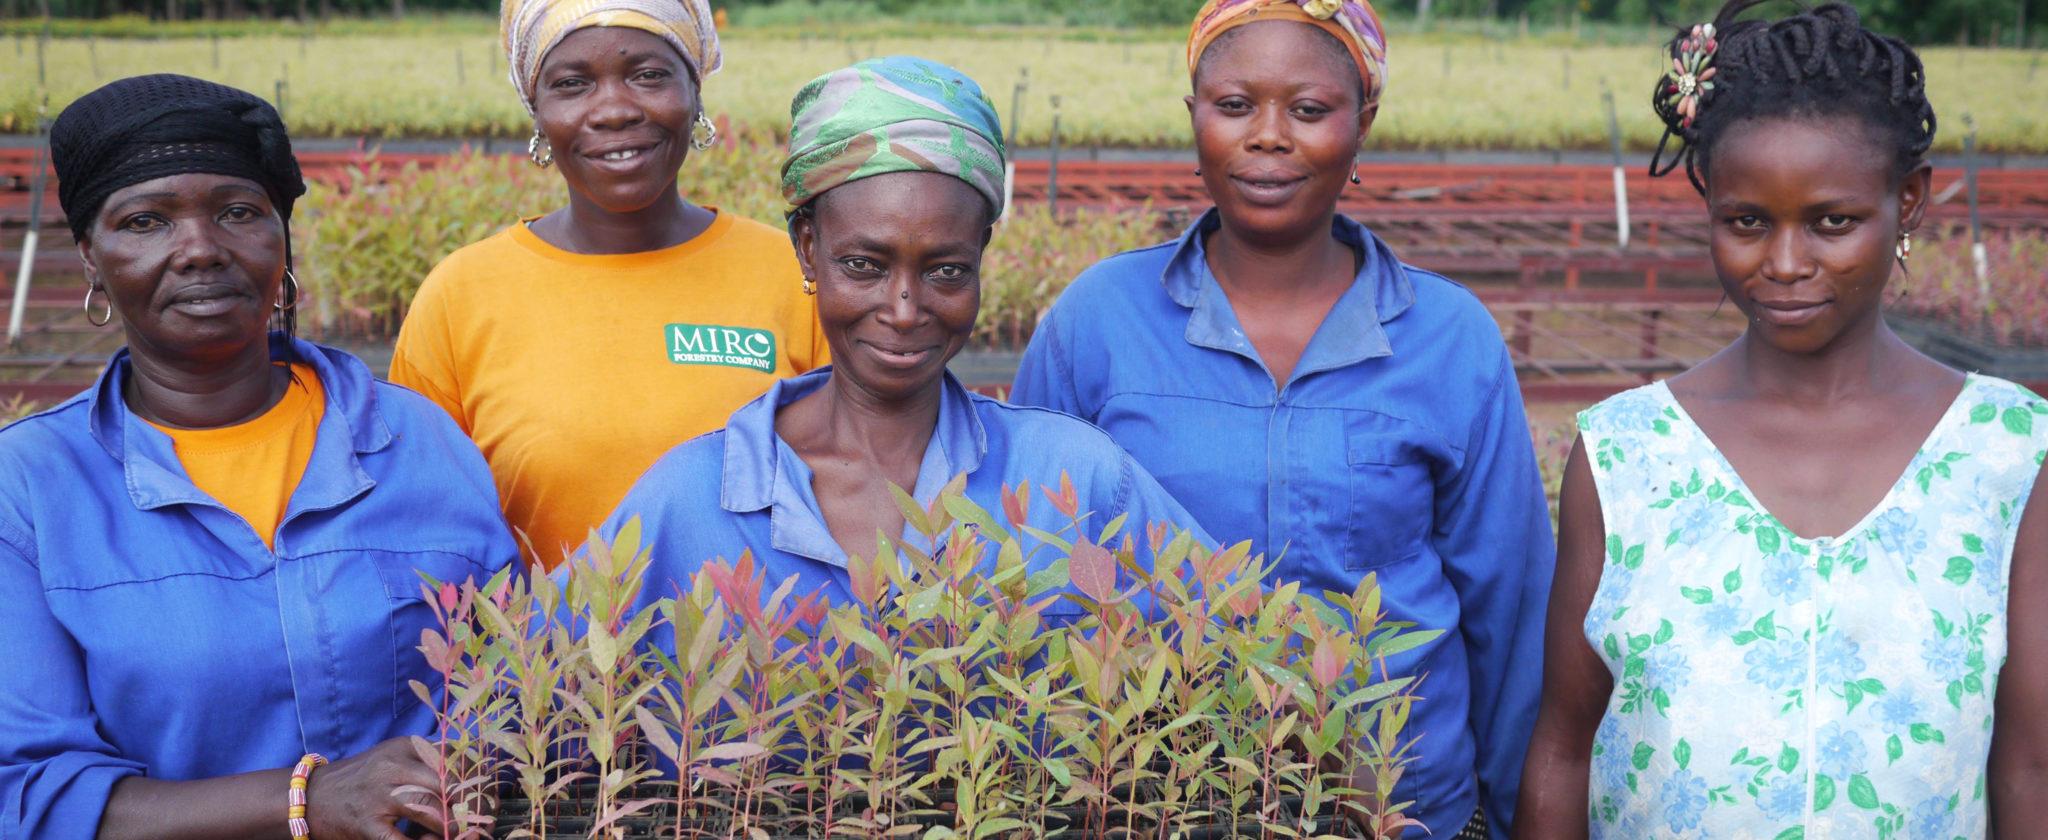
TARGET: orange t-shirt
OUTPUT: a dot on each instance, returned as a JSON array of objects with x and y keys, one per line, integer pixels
[
  {"x": 253, "y": 467},
  {"x": 574, "y": 372}
]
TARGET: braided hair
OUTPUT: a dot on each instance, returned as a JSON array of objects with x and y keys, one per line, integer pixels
[{"x": 1818, "y": 63}]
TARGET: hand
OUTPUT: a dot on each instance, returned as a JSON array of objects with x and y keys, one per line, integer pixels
[{"x": 357, "y": 798}]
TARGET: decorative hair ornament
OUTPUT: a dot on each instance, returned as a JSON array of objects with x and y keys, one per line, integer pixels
[
  {"x": 1692, "y": 74},
  {"x": 1322, "y": 9}
]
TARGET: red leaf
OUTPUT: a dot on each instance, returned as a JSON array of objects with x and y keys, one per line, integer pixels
[
  {"x": 1017, "y": 503},
  {"x": 450, "y": 597},
  {"x": 1065, "y": 501},
  {"x": 1093, "y": 571}
]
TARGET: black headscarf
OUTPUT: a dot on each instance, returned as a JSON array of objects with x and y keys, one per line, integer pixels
[{"x": 147, "y": 127}]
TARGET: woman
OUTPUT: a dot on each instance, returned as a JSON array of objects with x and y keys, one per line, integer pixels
[
  {"x": 1287, "y": 376},
  {"x": 212, "y": 558},
  {"x": 1802, "y": 587},
  {"x": 895, "y": 172},
  {"x": 578, "y": 346}
]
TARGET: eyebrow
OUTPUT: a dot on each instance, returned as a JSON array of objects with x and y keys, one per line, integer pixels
[
  {"x": 640, "y": 57},
  {"x": 863, "y": 243}
]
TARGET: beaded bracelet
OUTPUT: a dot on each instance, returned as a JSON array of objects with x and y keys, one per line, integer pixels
[{"x": 295, "y": 815}]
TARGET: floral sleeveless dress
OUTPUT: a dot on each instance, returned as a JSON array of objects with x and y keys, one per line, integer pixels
[{"x": 1774, "y": 687}]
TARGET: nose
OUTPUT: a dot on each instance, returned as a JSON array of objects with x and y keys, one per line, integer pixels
[
  {"x": 1787, "y": 258},
  {"x": 197, "y": 247},
  {"x": 614, "y": 107},
  {"x": 904, "y": 308},
  {"x": 1269, "y": 130}
]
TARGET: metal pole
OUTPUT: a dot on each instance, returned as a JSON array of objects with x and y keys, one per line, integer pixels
[
  {"x": 1620, "y": 176},
  {"x": 1052, "y": 180},
  {"x": 1010, "y": 145},
  {"x": 1980, "y": 260},
  {"x": 35, "y": 223}
]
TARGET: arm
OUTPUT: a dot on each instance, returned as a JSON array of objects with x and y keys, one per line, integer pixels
[
  {"x": 2019, "y": 738},
  {"x": 59, "y": 780},
  {"x": 1492, "y": 532},
  {"x": 1575, "y": 681},
  {"x": 423, "y": 357},
  {"x": 1044, "y": 378}
]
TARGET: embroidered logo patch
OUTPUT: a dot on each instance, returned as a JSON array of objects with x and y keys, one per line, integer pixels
[{"x": 710, "y": 344}]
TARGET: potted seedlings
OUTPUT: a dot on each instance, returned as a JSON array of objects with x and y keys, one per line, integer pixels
[{"x": 985, "y": 679}]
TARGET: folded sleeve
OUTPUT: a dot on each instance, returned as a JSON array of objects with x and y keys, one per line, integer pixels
[
  {"x": 1493, "y": 533},
  {"x": 55, "y": 771}
]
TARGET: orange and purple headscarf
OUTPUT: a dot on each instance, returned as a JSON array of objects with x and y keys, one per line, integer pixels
[{"x": 1354, "y": 23}]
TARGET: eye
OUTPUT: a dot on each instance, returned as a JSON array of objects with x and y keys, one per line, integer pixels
[
  {"x": 651, "y": 75},
  {"x": 1836, "y": 223},
  {"x": 952, "y": 273},
  {"x": 141, "y": 223},
  {"x": 1310, "y": 110},
  {"x": 240, "y": 213},
  {"x": 1749, "y": 222},
  {"x": 1233, "y": 105},
  {"x": 860, "y": 265},
  {"x": 566, "y": 84}
]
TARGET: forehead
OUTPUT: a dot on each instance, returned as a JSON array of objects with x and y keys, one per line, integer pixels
[
  {"x": 929, "y": 208},
  {"x": 595, "y": 42},
  {"x": 1278, "y": 50},
  {"x": 1794, "y": 156},
  {"x": 185, "y": 188}
]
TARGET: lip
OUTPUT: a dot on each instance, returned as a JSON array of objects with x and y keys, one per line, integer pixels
[
  {"x": 899, "y": 358},
  {"x": 1790, "y": 313},
  {"x": 204, "y": 300},
  {"x": 641, "y": 153},
  {"x": 1268, "y": 187}
]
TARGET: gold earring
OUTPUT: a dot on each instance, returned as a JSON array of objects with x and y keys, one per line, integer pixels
[
  {"x": 538, "y": 150},
  {"x": 704, "y": 134},
  {"x": 810, "y": 286},
  {"x": 1905, "y": 249},
  {"x": 105, "y": 316}
]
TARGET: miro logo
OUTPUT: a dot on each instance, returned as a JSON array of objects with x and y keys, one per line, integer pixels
[{"x": 709, "y": 344}]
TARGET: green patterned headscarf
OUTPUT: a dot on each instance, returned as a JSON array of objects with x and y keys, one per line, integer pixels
[{"x": 895, "y": 114}]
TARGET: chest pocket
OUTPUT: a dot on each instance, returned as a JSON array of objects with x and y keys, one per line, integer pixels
[
  {"x": 1390, "y": 509},
  {"x": 413, "y": 611}
]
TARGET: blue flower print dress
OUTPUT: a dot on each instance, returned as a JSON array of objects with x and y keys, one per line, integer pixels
[{"x": 1775, "y": 687}]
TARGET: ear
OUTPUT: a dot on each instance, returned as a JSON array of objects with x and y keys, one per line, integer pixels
[
  {"x": 1190, "y": 100},
  {"x": 803, "y": 232},
  {"x": 92, "y": 268},
  {"x": 987, "y": 234},
  {"x": 1365, "y": 119},
  {"x": 1913, "y": 192}
]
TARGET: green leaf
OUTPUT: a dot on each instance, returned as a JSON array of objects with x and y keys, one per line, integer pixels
[
  {"x": 1862, "y": 793},
  {"x": 1853, "y": 694},
  {"x": 1664, "y": 632},
  {"x": 1745, "y": 637},
  {"x": 2019, "y": 421},
  {"x": 1736, "y": 499},
  {"x": 1634, "y": 557},
  {"x": 1823, "y": 792},
  {"x": 1059, "y": 772},
  {"x": 1955, "y": 694},
  {"x": 1927, "y": 734},
  {"x": 1766, "y": 627},
  {"x": 1682, "y": 754},
  {"x": 1732, "y": 582},
  {"x": 1871, "y": 685},
  {"x": 1641, "y": 758},
  {"x": 1793, "y": 833},
  {"x": 1788, "y": 758},
  {"x": 1767, "y": 539},
  {"x": 1983, "y": 413},
  {"x": 1893, "y": 749},
  {"x": 1661, "y": 427},
  {"x": 1614, "y": 548},
  {"x": 1973, "y": 543},
  {"x": 1697, "y": 595},
  {"x": 1959, "y": 570}
]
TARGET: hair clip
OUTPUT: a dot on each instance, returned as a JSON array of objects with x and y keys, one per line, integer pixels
[{"x": 1692, "y": 73}]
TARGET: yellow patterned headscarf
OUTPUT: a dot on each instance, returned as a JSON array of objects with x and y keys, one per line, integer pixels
[
  {"x": 533, "y": 27},
  {"x": 1354, "y": 23}
]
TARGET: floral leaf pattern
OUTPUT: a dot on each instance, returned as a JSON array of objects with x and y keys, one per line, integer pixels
[{"x": 1769, "y": 685}]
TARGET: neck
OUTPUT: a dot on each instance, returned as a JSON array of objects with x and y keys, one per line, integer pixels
[
  {"x": 1864, "y": 359},
  {"x": 881, "y": 431},
  {"x": 1297, "y": 263},
  {"x": 204, "y": 394},
  {"x": 586, "y": 228}
]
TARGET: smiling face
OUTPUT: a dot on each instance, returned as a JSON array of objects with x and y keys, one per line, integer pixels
[
  {"x": 192, "y": 262},
  {"x": 897, "y": 259},
  {"x": 1806, "y": 214},
  {"x": 616, "y": 106},
  {"x": 1277, "y": 120}
]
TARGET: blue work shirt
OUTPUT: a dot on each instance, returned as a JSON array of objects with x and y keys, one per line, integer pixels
[
  {"x": 149, "y": 631},
  {"x": 1398, "y": 446},
  {"x": 743, "y": 489}
]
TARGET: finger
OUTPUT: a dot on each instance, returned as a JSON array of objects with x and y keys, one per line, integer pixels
[{"x": 425, "y": 814}]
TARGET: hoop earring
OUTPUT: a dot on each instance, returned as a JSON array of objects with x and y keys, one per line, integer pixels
[
  {"x": 703, "y": 134},
  {"x": 1905, "y": 249},
  {"x": 290, "y": 293},
  {"x": 106, "y": 316},
  {"x": 538, "y": 150}
]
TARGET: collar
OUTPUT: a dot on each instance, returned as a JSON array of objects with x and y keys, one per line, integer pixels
[
  {"x": 155, "y": 478},
  {"x": 1351, "y": 333},
  {"x": 762, "y": 473}
]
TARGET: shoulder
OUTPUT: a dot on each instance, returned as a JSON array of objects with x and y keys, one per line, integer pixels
[
  {"x": 408, "y": 411},
  {"x": 2009, "y": 410},
  {"x": 1048, "y": 431},
  {"x": 471, "y": 264},
  {"x": 1636, "y": 410},
  {"x": 51, "y": 445},
  {"x": 1449, "y": 319},
  {"x": 690, "y": 467},
  {"x": 1119, "y": 279},
  {"x": 748, "y": 232}
]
